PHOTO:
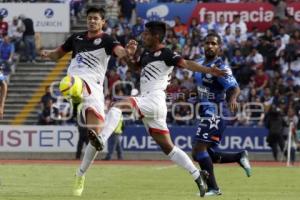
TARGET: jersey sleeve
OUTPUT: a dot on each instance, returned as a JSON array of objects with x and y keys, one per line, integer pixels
[
  {"x": 229, "y": 80},
  {"x": 110, "y": 44},
  {"x": 68, "y": 45},
  {"x": 171, "y": 58}
]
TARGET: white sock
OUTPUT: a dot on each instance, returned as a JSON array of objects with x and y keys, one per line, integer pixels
[
  {"x": 88, "y": 158},
  {"x": 183, "y": 160},
  {"x": 111, "y": 122}
]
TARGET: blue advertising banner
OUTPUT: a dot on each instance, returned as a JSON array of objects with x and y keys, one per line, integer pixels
[
  {"x": 135, "y": 138},
  {"x": 166, "y": 12}
]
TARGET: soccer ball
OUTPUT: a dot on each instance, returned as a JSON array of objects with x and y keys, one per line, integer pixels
[{"x": 71, "y": 87}]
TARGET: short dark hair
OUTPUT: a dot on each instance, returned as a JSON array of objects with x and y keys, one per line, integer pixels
[
  {"x": 99, "y": 10},
  {"x": 157, "y": 27},
  {"x": 214, "y": 34}
]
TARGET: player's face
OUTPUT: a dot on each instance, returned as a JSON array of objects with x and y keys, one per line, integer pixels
[
  {"x": 211, "y": 47},
  {"x": 94, "y": 22},
  {"x": 148, "y": 39}
]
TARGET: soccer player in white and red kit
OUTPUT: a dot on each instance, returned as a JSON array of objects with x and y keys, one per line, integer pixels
[{"x": 157, "y": 63}]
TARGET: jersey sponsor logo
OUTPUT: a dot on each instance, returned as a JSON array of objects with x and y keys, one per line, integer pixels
[
  {"x": 49, "y": 13},
  {"x": 79, "y": 59},
  {"x": 97, "y": 41}
]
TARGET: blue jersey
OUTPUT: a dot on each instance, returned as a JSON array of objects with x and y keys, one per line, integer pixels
[
  {"x": 212, "y": 90},
  {"x": 212, "y": 97}
]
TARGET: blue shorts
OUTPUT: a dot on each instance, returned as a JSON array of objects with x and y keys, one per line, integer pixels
[{"x": 210, "y": 130}]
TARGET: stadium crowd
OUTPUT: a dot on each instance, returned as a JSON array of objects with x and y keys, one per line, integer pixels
[{"x": 266, "y": 64}]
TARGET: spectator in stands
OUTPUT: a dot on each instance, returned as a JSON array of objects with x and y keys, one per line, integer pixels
[
  {"x": 283, "y": 35},
  {"x": 180, "y": 29},
  {"x": 29, "y": 39},
  {"x": 193, "y": 26},
  {"x": 138, "y": 28},
  {"x": 261, "y": 80},
  {"x": 254, "y": 60},
  {"x": 275, "y": 26},
  {"x": 45, "y": 115},
  {"x": 112, "y": 78},
  {"x": 275, "y": 124},
  {"x": 239, "y": 38},
  {"x": 76, "y": 6},
  {"x": 3, "y": 27},
  {"x": 222, "y": 24},
  {"x": 238, "y": 63},
  {"x": 46, "y": 98},
  {"x": 128, "y": 8},
  {"x": 291, "y": 25},
  {"x": 237, "y": 22},
  {"x": 267, "y": 99},
  {"x": 7, "y": 51},
  {"x": 114, "y": 142},
  {"x": 3, "y": 87},
  {"x": 208, "y": 25},
  {"x": 291, "y": 51},
  {"x": 112, "y": 8},
  {"x": 15, "y": 32},
  {"x": 280, "y": 10}
]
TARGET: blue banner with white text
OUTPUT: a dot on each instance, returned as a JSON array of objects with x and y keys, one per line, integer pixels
[{"x": 234, "y": 139}]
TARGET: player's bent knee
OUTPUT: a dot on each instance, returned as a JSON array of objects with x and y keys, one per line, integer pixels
[{"x": 198, "y": 156}]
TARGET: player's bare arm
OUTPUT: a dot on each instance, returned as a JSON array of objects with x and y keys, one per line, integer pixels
[
  {"x": 53, "y": 54},
  {"x": 193, "y": 66},
  {"x": 126, "y": 54},
  {"x": 232, "y": 95},
  {"x": 3, "y": 97}
]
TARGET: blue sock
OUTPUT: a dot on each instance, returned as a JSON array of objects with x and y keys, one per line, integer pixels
[{"x": 206, "y": 163}]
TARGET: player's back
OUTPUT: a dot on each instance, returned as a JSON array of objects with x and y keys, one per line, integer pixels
[{"x": 157, "y": 67}]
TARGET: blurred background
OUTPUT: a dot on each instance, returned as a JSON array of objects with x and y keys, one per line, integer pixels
[{"x": 261, "y": 43}]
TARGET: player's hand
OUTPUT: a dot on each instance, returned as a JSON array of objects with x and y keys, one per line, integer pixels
[
  {"x": 131, "y": 47},
  {"x": 233, "y": 105},
  {"x": 45, "y": 53},
  {"x": 217, "y": 72}
]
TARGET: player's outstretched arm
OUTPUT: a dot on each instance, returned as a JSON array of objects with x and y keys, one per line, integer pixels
[
  {"x": 126, "y": 55},
  {"x": 3, "y": 97},
  {"x": 193, "y": 66},
  {"x": 53, "y": 54},
  {"x": 231, "y": 96}
]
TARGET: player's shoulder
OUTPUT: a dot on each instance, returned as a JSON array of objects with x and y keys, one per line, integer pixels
[
  {"x": 168, "y": 53},
  {"x": 78, "y": 35},
  {"x": 200, "y": 60}
]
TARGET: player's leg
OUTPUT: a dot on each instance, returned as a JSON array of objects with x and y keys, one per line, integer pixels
[
  {"x": 162, "y": 137},
  {"x": 209, "y": 133},
  {"x": 94, "y": 123},
  {"x": 93, "y": 118},
  {"x": 112, "y": 119},
  {"x": 224, "y": 157},
  {"x": 201, "y": 156}
]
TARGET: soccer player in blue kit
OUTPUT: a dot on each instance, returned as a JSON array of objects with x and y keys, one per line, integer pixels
[{"x": 216, "y": 95}]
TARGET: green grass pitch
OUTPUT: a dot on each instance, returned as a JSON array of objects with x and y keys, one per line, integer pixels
[{"x": 144, "y": 182}]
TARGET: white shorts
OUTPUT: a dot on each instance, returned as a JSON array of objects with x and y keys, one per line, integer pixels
[
  {"x": 152, "y": 108},
  {"x": 93, "y": 99}
]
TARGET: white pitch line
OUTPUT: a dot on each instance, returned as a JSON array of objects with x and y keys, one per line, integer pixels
[{"x": 166, "y": 167}]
